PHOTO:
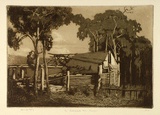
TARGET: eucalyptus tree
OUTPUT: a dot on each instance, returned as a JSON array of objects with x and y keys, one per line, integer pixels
[
  {"x": 114, "y": 31},
  {"x": 110, "y": 25},
  {"x": 143, "y": 60},
  {"x": 88, "y": 28},
  {"x": 36, "y": 23}
]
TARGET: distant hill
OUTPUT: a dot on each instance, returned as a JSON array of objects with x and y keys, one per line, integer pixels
[{"x": 18, "y": 60}]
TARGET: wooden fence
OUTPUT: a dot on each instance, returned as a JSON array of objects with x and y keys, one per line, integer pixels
[
  {"x": 78, "y": 80},
  {"x": 19, "y": 74},
  {"x": 72, "y": 80}
]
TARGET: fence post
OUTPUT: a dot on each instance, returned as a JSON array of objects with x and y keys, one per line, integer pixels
[
  {"x": 118, "y": 74},
  {"x": 22, "y": 73},
  {"x": 14, "y": 74},
  {"x": 100, "y": 71},
  {"x": 68, "y": 80},
  {"x": 114, "y": 78},
  {"x": 42, "y": 78}
]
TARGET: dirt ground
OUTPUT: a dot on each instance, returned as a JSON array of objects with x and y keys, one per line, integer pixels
[
  {"x": 82, "y": 99},
  {"x": 76, "y": 97}
]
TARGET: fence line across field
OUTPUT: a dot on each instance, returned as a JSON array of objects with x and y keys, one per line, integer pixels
[{"x": 71, "y": 78}]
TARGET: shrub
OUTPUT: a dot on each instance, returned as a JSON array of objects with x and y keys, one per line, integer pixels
[{"x": 18, "y": 96}]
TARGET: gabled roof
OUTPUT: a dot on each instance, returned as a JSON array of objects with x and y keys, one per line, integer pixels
[
  {"x": 92, "y": 57},
  {"x": 87, "y": 62}
]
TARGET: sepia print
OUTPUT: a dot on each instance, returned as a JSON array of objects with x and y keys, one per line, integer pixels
[{"x": 80, "y": 56}]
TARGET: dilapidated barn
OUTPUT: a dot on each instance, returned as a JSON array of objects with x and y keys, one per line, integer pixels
[{"x": 100, "y": 63}]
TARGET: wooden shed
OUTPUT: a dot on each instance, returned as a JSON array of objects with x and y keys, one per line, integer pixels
[{"x": 102, "y": 63}]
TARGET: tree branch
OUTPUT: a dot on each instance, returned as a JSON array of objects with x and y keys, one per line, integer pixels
[
  {"x": 49, "y": 13},
  {"x": 114, "y": 30},
  {"x": 126, "y": 10},
  {"x": 32, "y": 39},
  {"x": 29, "y": 36},
  {"x": 92, "y": 34},
  {"x": 22, "y": 37},
  {"x": 119, "y": 36}
]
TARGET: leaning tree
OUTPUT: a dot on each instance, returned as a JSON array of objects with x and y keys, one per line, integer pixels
[{"x": 36, "y": 24}]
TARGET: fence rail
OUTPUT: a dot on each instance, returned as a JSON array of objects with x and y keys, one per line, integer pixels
[{"x": 73, "y": 80}]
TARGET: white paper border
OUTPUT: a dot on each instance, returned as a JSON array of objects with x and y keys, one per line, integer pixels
[{"x": 56, "y": 111}]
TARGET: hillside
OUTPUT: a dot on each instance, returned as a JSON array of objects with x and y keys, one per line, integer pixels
[{"x": 18, "y": 60}]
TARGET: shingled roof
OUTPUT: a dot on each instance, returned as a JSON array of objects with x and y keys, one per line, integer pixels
[
  {"x": 87, "y": 62},
  {"x": 96, "y": 57}
]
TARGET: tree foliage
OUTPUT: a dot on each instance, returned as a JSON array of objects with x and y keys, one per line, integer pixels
[
  {"x": 25, "y": 20},
  {"x": 36, "y": 23},
  {"x": 31, "y": 59},
  {"x": 112, "y": 30},
  {"x": 112, "y": 24}
]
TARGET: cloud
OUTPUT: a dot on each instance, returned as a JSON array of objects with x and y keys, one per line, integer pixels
[
  {"x": 59, "y": 50},
  {"x": 26, "y": 49},
  {"x": 20, "y": 52},
  {"x": 57, "y": 37}
]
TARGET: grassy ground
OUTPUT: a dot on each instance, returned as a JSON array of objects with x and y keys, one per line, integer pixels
[
  {"x": 75, "y": 99},
  {"x": 78, "y": 100}
]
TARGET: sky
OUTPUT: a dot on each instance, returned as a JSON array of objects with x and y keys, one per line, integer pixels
[{"x": 65, "y": 38}]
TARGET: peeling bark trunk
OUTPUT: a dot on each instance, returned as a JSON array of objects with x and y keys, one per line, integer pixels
[
  {"x": 36, "y": 74},
  {"x": 97, "y": 44},
  {"x": 114, "y": 50},
  {"x": 130, "y": 72},
  {"x": 94, "y": 47},
  {"x": 37, "y": 63},
  {"x": 45, "y": 66},
  {"x": 106, "y": 49}
]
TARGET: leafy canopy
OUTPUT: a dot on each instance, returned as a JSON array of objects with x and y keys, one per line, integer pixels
[
  {"x": 26, "y": 20},
  {"x": 105, "y": 23}
]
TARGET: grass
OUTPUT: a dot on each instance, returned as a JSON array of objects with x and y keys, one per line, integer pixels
[
  {"x": 62, "y": 99},
  {"x": 79, "y": 96},
  {"x": 76, "y": 97}
]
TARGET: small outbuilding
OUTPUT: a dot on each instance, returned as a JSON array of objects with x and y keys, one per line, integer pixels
[{"x": 96, "y": 63}]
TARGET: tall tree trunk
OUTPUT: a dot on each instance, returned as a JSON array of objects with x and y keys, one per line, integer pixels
[
  {"x": 36, "y": 74},
  {"x": 130, "y": 71},
  {"x": 134, "y": 73},
  {"x": 97, "y": 45},
  {"x": 122, "y": 65},
  {"x": 133, "y": 66},
  {"x": 114, "y": 50},
  {"x": 121, "y": 68},
  {"x": 37, "y": 63},
  {"x": 122, "y": 72},
  {"x": 106, "y": 49},
  {"x": 45, "y": 66},
  {"x": 94, "y": 46},
  {"x": 139, "y": 74}
]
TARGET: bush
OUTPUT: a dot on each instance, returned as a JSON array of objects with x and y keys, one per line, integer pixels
[
  {"x": 72, "y": 91},
  {"x": 80, "y": 90},
  {"x": 87, "y": 91},
  {"x": 18, "y": 96},
  {"x": 148, "y": 100}
]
